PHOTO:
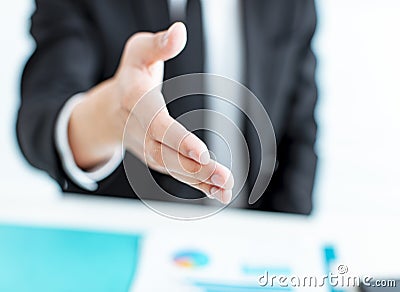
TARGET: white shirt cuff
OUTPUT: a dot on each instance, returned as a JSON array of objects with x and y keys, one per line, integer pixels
[{"x": 85, "y": 179}]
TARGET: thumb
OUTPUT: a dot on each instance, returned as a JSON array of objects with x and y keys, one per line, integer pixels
[
  {"x": 172, "y": 41},
  {"x": 144, "y": 48}
]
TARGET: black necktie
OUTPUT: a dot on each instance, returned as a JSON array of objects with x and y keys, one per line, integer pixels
[{"x": 190, "y": 60}]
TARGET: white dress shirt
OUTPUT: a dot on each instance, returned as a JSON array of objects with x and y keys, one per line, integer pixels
[
  {"x": 224, "y": 56},
  {"x": 85, "y": 179}
]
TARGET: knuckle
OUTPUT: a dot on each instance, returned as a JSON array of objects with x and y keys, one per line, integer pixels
[
  {"x": 154, "y": 128},
  {"x": 147, "y": 148},
  {"x": 184, "y": 145},
  {"x": 192, "y": 167},
  {"x": 153, "y": 152},
  {"x": 157, "y": 156},
  {"x": 158, "y": 126}
]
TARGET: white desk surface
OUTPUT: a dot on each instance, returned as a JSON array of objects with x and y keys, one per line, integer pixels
[{"x": 367, "y": 245}]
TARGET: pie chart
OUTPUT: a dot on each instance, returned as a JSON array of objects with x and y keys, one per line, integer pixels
[{"x": 191, "y": 259}]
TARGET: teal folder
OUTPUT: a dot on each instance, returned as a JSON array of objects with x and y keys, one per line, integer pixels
[{"x": 50, "y": 259}]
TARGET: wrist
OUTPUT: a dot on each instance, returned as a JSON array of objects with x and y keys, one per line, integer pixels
[{"x": 96, "y": 126}]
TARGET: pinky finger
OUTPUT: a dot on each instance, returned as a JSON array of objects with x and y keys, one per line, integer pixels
[{"x": 211, "y": 191}]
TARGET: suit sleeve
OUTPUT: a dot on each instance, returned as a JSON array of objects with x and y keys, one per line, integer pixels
[
  {"x": 66, "y": 61},
  {"x": 291, "y": 186}
]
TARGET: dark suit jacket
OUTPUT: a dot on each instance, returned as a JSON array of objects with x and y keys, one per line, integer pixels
[{"x": 79, "y": 44}]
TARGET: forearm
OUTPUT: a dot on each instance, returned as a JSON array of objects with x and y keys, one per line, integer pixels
[{"x": 94, "y": 129}]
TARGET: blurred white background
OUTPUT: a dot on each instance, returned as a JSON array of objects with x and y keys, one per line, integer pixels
[{"x": 358, "y": 48}]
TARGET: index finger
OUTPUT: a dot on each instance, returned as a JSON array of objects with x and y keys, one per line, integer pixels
[{"x": 171, "y": 133}]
